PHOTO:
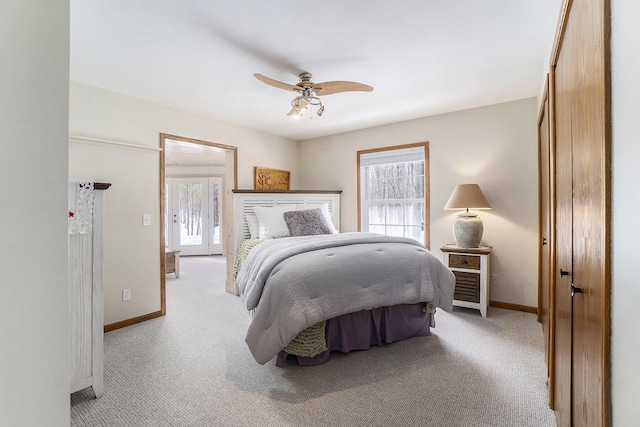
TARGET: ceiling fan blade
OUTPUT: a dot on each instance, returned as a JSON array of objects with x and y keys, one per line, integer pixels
[
  {"x": 329, "y": 88},
  {"x": 276, "y": 83},
  {"x": 301, "y": 104}
]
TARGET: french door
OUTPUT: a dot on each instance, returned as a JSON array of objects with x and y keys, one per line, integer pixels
[{"x": 194, "y": 215}]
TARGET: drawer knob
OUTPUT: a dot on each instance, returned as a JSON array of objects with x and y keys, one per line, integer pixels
[{"x": 463, "y": 262}]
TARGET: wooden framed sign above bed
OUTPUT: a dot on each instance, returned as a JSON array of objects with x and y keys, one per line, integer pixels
[{"x": 270, "y": 179}]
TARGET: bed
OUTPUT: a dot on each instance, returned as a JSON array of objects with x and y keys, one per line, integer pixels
[{"x": 312, "y": 290}]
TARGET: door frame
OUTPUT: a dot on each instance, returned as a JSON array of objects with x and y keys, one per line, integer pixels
[
  {"x": 546, "y": 236},
  {"x": 230, "y": 182}
]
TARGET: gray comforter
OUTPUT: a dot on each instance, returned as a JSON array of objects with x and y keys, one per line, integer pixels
[{"x": 293, "y": 283}]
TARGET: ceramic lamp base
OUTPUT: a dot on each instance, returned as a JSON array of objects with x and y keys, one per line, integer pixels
[{"x": 467, "y": 230}]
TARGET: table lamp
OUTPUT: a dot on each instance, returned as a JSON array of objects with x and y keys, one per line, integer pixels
[{"x": 467, "y": 228}]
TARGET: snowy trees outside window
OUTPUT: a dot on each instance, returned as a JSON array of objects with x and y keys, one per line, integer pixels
[{"x": 392, "y": 184}]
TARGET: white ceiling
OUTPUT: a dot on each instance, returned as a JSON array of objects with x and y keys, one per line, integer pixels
[{"x": 423, "y": 57}]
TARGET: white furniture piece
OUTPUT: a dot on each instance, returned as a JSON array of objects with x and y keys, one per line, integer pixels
[
  {"x": 471, "y": 268},
  {"x": 86, "y": 302},
  {"x": 245, "y": 200}
]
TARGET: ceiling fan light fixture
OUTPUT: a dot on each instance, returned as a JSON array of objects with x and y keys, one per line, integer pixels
[
  {"x": 309, "y": 91},
  {"x": 301, "y": 103},
  {"x": 298, "y": 112}
]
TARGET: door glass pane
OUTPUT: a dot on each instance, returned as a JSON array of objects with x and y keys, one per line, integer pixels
[
  {"x": 190, "y": 203},
  {"x": 215, "y": 194},
  {"x": 167, "y": 225}
]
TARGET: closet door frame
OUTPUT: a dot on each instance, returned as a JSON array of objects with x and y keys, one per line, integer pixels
[{"x": 546, "y": 212}]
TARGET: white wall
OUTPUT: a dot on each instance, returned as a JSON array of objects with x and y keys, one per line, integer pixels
[
  {"x": 132, "y": 251},
  {"x": 625, "y": 292},
  {"x": 194, "y": 171},
  {"x": 34, "y": 292},
  {"x": 494, "y": 146}
]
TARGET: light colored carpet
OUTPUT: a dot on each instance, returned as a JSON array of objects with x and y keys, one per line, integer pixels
[{"x": 192, "y": 368}]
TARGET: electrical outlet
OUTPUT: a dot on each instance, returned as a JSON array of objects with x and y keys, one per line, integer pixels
[
  {"x": 126, "y": 294},
  {"x": 494, "y": 279}
]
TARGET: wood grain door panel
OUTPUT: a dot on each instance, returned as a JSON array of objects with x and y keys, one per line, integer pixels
[
  {"x": 564, "y": 249},
  {"x": 580, "y": 87},
  {"x": 590, "y": 212}
]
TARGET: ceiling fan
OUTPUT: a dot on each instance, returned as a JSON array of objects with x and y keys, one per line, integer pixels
[{"x": 310, "y": 91}]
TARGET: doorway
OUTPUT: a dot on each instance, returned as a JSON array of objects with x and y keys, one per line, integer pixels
[
  {"x": 194, "y": 215},
  {"x": 196, "y": 182}
]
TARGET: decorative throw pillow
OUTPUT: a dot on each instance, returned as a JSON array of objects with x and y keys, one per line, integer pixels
[
  {"x": 325, "y": 212},
  {"x": 254, "y": 227},
  {"x": 307, "y": 222},
  {"x": 271, "y": 223}
]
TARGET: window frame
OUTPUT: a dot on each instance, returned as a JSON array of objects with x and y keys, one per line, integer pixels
[{"x": 425, "y": 145}]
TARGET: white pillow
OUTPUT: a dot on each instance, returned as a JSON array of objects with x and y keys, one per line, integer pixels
[
  {"x": 271, "y": 221},
  {"x": 254, "y": 227},
  {"x": 325, "y": 212}
]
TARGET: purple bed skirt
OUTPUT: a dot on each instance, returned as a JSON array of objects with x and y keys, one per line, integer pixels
[{"x": 361, "y": 330}]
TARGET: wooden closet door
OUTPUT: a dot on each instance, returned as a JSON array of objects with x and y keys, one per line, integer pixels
[
  {"x": 582, "y": 282},
  {"x": 590, "y": 119}
]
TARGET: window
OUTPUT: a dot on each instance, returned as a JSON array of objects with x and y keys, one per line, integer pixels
[{"x": 393, "y": 191}]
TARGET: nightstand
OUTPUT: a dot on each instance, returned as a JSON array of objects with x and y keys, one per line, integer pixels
[{"x": 471, "y": 268}]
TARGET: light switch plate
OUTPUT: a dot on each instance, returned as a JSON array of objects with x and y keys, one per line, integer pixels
[{"x": 146, "y": 219}]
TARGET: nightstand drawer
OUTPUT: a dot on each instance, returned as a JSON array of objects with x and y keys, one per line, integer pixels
[
  {"x": 470, "y": 262},
  {"x": 467, "y": 286}
]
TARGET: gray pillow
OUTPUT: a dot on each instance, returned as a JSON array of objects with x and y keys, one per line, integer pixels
[{"x": 307, "y": 222}]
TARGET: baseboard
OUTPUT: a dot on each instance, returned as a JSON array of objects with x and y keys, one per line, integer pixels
[
  {"x": 132, "y": 321},
  {"x": 140, "y": 319},
  {"x": 516, "y": 307}
]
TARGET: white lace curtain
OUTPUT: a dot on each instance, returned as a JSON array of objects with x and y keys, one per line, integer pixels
[{"x": 81, "y": 201}]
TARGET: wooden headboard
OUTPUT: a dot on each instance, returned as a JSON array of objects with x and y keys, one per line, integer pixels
[{"x": 245, "y": 200}]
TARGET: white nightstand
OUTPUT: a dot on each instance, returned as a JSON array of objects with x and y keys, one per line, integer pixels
[{"x": 471, "y": 268}]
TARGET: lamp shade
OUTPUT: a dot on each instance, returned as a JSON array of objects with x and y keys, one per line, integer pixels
[
  {"x": 467, "y": 196},
  {"x": 467, "y": 228}
]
